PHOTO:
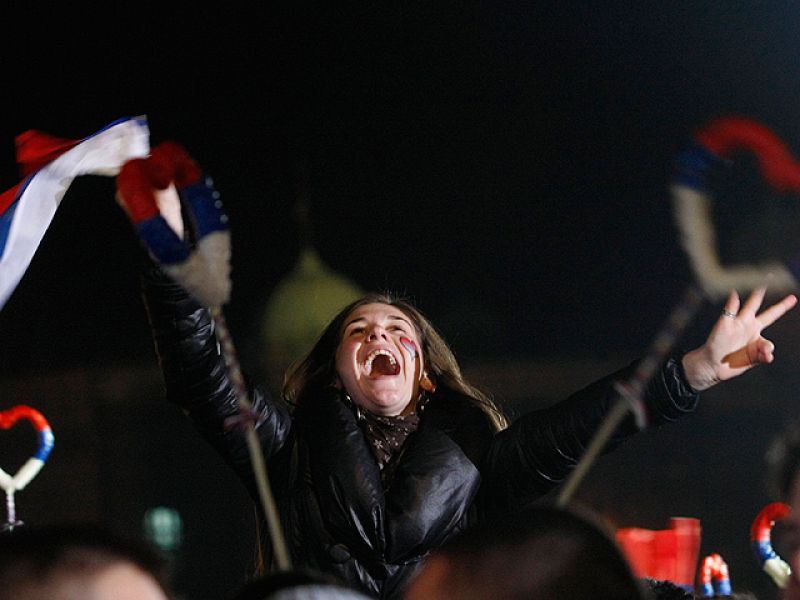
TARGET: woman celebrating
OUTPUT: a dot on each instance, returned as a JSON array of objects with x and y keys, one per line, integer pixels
[{"x": 380, "y": 451}]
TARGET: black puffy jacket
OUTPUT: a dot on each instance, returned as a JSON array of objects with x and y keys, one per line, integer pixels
[{"x": 454, "y": 470}]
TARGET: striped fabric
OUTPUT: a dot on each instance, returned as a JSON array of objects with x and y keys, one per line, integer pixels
[{"x": 49, "y": 166}]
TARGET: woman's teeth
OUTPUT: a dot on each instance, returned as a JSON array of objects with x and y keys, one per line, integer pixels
[{"x": 391, "y": 367}]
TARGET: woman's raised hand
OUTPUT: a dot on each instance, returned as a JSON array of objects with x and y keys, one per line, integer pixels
[{"x": 735, "y": 344}]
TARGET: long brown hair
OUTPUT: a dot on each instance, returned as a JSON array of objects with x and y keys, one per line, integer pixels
[{"x": 317, "y": 369}]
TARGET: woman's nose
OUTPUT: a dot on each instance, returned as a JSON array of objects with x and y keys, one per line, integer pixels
[{"x": 375, "y": 333}]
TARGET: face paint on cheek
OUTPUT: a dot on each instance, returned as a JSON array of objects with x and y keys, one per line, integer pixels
[{"x": 410, "y": 346}]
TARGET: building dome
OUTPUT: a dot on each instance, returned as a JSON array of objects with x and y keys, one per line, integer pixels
[{"x": 299, "y": 309}]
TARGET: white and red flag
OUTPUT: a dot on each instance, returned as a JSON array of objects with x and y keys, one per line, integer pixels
[{"x": 49, "y": 165}]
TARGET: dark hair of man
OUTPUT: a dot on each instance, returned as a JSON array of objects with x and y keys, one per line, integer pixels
[
  {"x": 33, "y": 554},
  {"x": 544, "y": 553}
]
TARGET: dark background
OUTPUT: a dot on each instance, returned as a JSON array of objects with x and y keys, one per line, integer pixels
[
  {"x": 505, "y": 164},
  {"x": 517, "y": 157}
]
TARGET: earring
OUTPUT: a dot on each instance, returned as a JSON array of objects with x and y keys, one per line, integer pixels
[
  {"x": 427, "y": 384},
  {"x": 354, "y": 407}
]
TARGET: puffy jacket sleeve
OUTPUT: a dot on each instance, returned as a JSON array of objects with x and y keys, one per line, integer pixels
[
  {"x": 538, "y": 450},
  {"x": 196, "y": 376}
]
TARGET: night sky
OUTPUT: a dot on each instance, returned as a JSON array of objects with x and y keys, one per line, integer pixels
[{"x": 505, "y": 165}]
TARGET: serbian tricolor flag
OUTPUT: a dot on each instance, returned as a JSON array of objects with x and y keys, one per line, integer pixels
[{"x": 49, "y": 166}]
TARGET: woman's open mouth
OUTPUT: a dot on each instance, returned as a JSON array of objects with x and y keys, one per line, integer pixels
[{"x": 381, "y": 362}]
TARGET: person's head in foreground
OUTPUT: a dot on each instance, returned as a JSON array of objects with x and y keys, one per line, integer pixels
[
  {"x": 78, "y": 563},
  {"x": 541, "y": 553},
  {"x": 297, "y": 584}
]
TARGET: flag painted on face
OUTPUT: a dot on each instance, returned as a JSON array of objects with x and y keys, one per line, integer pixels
[{"x": 49, "y": 165}]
